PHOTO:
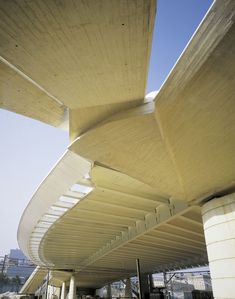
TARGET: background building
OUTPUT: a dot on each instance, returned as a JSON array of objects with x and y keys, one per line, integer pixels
[{"x": 15, "y": 269}]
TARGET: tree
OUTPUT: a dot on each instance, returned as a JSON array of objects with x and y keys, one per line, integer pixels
[{"x": 4, "y": 278}]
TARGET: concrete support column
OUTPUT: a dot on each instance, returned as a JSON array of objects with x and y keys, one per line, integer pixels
[
  {"x": 128, "y": 288},
  {"x": 109, "y": 291},
  {"x": 63, "y": 291},
  {"x": 219, "y": 227},
  {"x": 72, "y": 288},
  {"x": 145, "y": 284}
]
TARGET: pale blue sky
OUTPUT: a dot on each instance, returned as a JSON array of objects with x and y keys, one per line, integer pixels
[{"x": 29, "y": 149}]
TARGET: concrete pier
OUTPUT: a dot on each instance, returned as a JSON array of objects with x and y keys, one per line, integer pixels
[
  {"x": 72, "y": 288},
  {"x": 219, "y": 226},
  {"x": 63, "y": 291}
]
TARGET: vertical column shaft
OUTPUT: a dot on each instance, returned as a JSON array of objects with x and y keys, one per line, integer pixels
[
  {"x": 63, "y": 291},
  {"x": 72, "y": 288},
  {"x": 143, "y": 281},
  {"x": 219, "y": 227}
]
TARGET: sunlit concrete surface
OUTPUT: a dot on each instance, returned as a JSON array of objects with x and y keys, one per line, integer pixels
[
  {"x": 219, "y": 223},
  {"x": 137, "y": 172},
  {"x": 34, "y": 282}
]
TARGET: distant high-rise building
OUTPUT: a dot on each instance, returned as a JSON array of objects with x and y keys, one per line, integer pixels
[
  {"x": 18, "y": 265},
  {"x": 17, "y": 254}
]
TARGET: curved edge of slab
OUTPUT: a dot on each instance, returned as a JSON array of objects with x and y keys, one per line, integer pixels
[{"x": 47, "y": 204}]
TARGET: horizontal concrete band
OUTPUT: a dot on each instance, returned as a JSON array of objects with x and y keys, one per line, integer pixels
[
  {"x": 219, "y": 215},
  {"x": 223, "y": 268},
  {"x": 219, "y": 228},
  {"x": 213, "y": 218},
  {"x": 218, "y": 202},
  {"x": 221, "y": 250},
  {"x": 225, "y": 230},
  {"x": 224, "y": 288}
]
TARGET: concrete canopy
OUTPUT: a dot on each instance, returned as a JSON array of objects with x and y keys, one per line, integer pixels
[
  {"x": 66, "y": 53},
  {"x": 132, "y": 184},
  {"x": 34, "y": 282}
]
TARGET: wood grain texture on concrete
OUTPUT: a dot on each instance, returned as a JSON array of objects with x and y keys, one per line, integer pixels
[
  {"x": 135, "y": 175},
  {"x": 132, "y": 144},
  {"x": 184, "y": 147},
  {"x": 22, "y": 96},
  {"x": 195, "y": 109},
  {"x": 82, "y": 53}
]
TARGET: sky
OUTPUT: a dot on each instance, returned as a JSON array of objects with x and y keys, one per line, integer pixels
[{"x": 29, "y": 149}]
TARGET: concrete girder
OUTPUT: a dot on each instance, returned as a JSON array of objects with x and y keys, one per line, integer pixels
[{"x": 162, "y": 213}]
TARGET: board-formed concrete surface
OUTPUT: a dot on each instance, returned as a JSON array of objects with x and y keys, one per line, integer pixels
[{"x": 136, "y": 174}]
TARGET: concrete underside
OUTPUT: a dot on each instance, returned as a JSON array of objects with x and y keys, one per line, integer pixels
[{"x": 133, "y": 180}]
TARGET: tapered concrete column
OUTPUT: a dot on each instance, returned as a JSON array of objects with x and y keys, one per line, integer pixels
[
  {"x": 219, "y": 227},
  {"x": 109, "y": 291},
  {"x": 72, "y": 288},
  {"x": 128, "y": 288},
  {"x": 63, "y": 291}
]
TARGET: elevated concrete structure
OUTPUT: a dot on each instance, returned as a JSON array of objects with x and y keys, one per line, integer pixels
[
  {"x": 63, "y": 291},
  {"x": 72, "y": 288},
  {"x": 219, "y": 224},
  {"x": 34, "y": 282},
  {"x": 136, "y": 174}
]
